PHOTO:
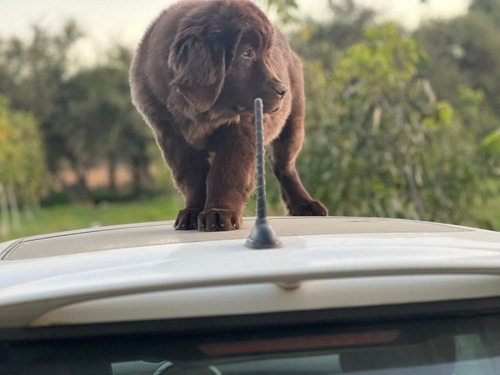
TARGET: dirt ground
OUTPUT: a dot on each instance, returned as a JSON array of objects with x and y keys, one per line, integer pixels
[{"x": 97, "y": 177}]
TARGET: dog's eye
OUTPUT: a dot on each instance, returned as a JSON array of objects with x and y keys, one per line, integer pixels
[{"x": 249, "y": 54}]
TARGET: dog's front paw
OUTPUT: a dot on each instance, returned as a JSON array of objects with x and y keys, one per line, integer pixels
[
  {"x": 187, "y": 219},
  {"x": 308, "y": 208},
  {"x": 219, "y": 220}
]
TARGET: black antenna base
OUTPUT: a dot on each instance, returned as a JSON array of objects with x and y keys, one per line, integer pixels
[{"x": 262, "y": 236}]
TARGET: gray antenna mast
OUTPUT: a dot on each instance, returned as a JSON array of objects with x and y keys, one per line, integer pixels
[{"x": 262, "y": 235}]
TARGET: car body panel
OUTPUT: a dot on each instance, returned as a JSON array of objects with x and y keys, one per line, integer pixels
[
  {"x": 162, "y": 233},
  {"x": 154, "y": 272}
]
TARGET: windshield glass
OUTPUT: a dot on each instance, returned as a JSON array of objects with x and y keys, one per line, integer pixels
[{"x": 432, "y": 346}]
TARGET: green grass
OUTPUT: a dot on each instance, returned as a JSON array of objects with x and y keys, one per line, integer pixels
[
  {"x": 77, "y": 216},
  {"x": 72, "y": 216},
  {"x": 488, "y": 216}
]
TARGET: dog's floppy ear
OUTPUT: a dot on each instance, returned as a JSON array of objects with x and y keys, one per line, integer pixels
[{"x": 199, "y": 70}]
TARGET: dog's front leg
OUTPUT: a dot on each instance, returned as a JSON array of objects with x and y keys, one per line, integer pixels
[
  {"x": 284, "y": 152},
  {"x": 231, "y": 178},
  {"x": 189, "y": 167}
]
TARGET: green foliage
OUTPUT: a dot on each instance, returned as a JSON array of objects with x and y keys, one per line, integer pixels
[
  {"x": 34, "y": 70},
  {"x": 21, "y": 153},
  {"x": 490, "y": 8},
  {"x": 378, "y": 141},
  {"x": 398, "y": 126},
  {"x": 385, "y": 63},
  {"x": 464, "y": 52},
  {"x": 86, "y": 116},
  {"x": 491, "y": 144},
  {"x": 99, "y": 123},
  {"x": 464, "y": 55},
  {"x": 284, "y": 9},
  {"x": 489, "y": 149},
  {"x": 33, "y": 74}
]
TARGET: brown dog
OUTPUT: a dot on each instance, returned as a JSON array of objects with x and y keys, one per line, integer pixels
[{"x": 194, "y": 78}]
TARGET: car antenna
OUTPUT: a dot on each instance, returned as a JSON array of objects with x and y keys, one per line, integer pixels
[{"x": 262, "y": 235}]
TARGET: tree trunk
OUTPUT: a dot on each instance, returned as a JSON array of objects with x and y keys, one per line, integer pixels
[
  {"x": 79, "y": 191},
  {"x": 410, "y": 177},
  {"x": 140, "y": 172},
  {"x": 112, "y": 173},
  {"x": 4, "y": 210},
  {"x": 14, "y": 208},
  {"x": 82, "y": 189}
]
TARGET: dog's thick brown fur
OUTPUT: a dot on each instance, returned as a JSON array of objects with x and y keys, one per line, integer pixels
[{"x": 194, "y": 78}]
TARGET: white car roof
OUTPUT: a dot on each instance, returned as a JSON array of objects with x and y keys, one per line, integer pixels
[{"x": 150, "y": 271}]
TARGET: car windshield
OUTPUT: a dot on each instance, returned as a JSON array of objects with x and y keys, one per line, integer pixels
[{"x": 469, "y": 345}]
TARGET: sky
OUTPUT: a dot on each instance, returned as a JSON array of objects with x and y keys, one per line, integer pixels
[{"x": 124, "y": 21}]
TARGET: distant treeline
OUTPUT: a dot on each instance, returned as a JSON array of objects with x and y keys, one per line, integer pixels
[{"x": 399, "y": 123}]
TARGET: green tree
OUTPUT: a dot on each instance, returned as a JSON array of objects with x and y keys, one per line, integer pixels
[
  {"x": 134, "y": 142},
  {"x": 464, "y": 55},
  {"x": 284, "y": 9},
  {"x": 464, "y": 51},
  {"x": 86, "y": 116},
  {"x": 326, "y": 40},
  {"x": 33, "y": 73},
  {"x": 98, "y": 123},
  {"x": 21, "y": 160},
  {"x": 490, "y": 8},
  {"x": 379, "y": 143}
]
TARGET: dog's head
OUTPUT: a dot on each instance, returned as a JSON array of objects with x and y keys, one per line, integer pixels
[{"x": 221, "y": 58}]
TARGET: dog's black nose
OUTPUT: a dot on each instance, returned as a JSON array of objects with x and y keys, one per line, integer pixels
[{"x": 281, "y": 90}]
